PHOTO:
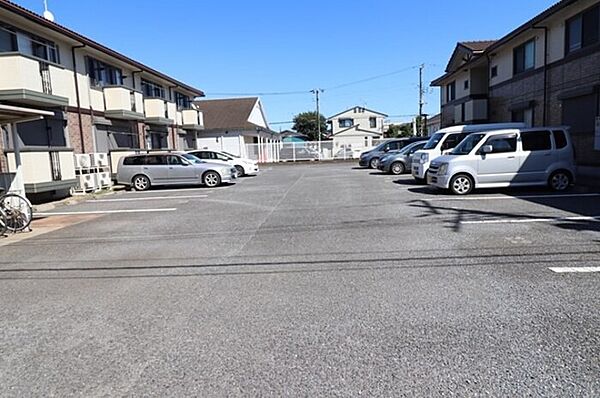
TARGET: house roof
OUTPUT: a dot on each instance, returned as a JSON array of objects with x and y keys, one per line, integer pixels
[
  {"x": 478, "y": 45},
  {"x": 362, "y": 107},
  {"x": 228, "y": 114},
  {"x": 498, "y": 43},
  {"x": 31, "y": 16}
]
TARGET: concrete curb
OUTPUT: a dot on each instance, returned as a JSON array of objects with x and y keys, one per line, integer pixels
[{"x": 71, "y": 200}]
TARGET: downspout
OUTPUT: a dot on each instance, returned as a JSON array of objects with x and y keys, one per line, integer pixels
[
  {"x": 489, "y": 81},
  {"x": 173, "y": 126},
  {"x": 545, "y": 100},
  {"x": 81, "y": 137}
]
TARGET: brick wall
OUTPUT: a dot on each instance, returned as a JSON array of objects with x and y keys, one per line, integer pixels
[
  {"x": 74, "y": 132},
  {"x": 141, "y": 128},
  {"x": 502, "y": 97}
]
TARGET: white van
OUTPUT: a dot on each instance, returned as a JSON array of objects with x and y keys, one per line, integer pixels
[
  {"x": 446, "y": 139},
  {"x": 508, "y": 157}
]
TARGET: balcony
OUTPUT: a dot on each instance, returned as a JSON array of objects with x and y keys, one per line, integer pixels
[
  {"x": 45, "y": 169},
  {"x": 475, "y": 111},
  {"x": 123, "y": 103},
  {"x": 27, "y": 80},
  {"x": 192, "y": 119},
  {"x": 161, "y": 112}
]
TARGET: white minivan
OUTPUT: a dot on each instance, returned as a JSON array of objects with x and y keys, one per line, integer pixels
[
  {"x": 508, "y": 157},
  {"x": 444, "y": 140}
]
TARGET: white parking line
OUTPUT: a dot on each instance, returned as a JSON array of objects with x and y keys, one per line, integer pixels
[
  {"x": 562, "y": 270},
  {"x": 148, "y": 198},
  {"x": 577, "y": 195},
  {"x": 532, "y": 220},
  {"x": 72, "y": 213}
]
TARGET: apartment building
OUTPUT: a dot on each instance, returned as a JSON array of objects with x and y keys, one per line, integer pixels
[
  {"x": 545, "y": 72},
  {"x": 75, "y": 95},
  {"x": 356, "y": 127}
]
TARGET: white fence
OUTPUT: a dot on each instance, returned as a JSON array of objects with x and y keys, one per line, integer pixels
[{"x": 306, "y": 151}]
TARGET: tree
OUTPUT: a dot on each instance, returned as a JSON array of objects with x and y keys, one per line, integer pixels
[
  {"x": 306, "y": 123},
  {"x": 400, "y": 130}
]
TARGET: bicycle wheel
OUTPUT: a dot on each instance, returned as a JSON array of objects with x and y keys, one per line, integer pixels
[
  {"x": 3, "y": 223},
  {"x": 18, "y": 212}
]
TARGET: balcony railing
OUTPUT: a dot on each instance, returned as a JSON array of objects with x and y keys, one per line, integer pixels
[
  {"x": 192, "y": 119},
  {"x": 123, "y": 103},
  {"x": 28, "y": 80},
  {"x": 45, "y": 169}
]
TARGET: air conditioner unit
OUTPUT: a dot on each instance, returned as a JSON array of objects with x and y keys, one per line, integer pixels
[
  {"x": 87, "y": 182},
  {"x": 99, "y": 159},
  {"x": 103, "y": 180},
  {"x": 82, "y": 161}
]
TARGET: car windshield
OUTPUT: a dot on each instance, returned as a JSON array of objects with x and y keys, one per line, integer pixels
[
  {"x": 434, "y": 140},
  {"x": 467, "y": 145},
  {"x": 408, "y": 148},
  {"x": 191, "y": 158}
]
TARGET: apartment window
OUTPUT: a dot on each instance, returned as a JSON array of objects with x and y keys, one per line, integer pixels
[
  {"x": 373, "y": 122},
  {"x": 583, "y": 30},
  {"x": 346, "y": 122},
  {"x": 151, "y": 89},
  {"x": 466, "y": 85},
  {"x": 494, "y": 71},
  {"x": 524, "y": 57},
  {"x": 451, "y": 92},
  {"x": 102, "y": 74},
  {"x": 8, "y": 39},
  {"x": 183, "y": 101},
  {"x": 44, "y": 49}
]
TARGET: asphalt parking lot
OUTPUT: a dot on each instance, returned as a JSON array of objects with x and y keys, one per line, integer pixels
[{"x": 310, "y": 279}]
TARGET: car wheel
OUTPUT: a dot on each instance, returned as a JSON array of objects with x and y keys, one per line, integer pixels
[
  {"x": 397, "y": 168},
  {"x": 374, "y": 163},
  {"x": 140, "y": 183},
  {"x": 461, "y": 184},
  {"x": 211, "y": 179},
  {"x": 240, "y": 171},
  {"x": 559, "y": 180}
]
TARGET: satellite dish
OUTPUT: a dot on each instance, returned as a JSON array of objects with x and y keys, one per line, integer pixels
[{"x": 49, "y": 16}]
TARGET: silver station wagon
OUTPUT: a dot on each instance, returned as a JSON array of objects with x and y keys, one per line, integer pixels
[{"x": 145, "y": 170}]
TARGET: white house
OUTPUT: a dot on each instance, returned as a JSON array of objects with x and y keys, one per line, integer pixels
[
  {"x": 356, "y": 128},
  {"x": 238, "y": 126}
]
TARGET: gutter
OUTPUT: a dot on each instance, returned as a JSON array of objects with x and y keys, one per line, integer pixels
[
  {"x": 545, "y": 100},
  {"x": 81, "y": 137}
]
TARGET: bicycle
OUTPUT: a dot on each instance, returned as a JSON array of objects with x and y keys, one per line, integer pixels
[{"x": 16, "y": 213}]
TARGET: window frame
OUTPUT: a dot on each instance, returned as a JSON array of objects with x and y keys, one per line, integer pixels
[
  {"x": 151, "y": 89},
  {"x": 102, "y": 74},
  {"x": 518, "y": 69},
  {"x": 13, "y": 33},
  {"x": 494, "y": 71},
  {"x": 451, "y": 91},
  {"x": 581, "y": 17},
  {"x": 538, "y": 132},
  {"x": 341, "y": 123},
  {"x": 373, "y": 122}
]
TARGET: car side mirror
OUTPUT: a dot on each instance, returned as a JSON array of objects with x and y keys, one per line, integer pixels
[
  {"x": 185, "y": 162},
  {"x": 386, "y": 149},
  {"x": 487, "y": 149}
]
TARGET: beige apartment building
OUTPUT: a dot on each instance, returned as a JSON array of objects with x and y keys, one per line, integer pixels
[
  {"x": 545, "y": 72},
  {"x": 62, "y": 93}
]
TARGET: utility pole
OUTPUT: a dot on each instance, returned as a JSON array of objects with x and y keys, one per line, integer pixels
[
  {"x": 421, "y": 101},
  {"x": 316, "y": 92}
]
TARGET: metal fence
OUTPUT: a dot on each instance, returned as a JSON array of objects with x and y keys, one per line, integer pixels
[{"x": 306, "y": 151}]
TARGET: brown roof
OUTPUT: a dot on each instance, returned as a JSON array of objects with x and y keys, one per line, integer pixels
[
  {"x": 227, "y": 114},
  {"x": 30, "y": 15},
  {"x": 477, "y": 46}
]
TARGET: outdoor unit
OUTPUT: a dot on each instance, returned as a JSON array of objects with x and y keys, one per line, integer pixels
[
  {"x": 82, "y": 161},
  {"x": 103, "y": 179},
  {"x": 87, "y": 182},
  {"x": 99, "y": 159}
]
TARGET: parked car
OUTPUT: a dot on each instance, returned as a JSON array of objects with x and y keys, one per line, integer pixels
[
  {"x": 398, "y": 162},
  {"x": 347, "y": 153},
  {"x": 145, "y": 170},
  {"x": 243, "y": 166},
  {"x": 445, "y": 140},
  {"x": 371, "y": 158},
  {"x": 507, "y": 158}
]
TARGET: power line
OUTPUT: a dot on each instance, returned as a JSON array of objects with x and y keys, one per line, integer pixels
[
  {"x": 260, "y": 94},
  {"x": 368, "y": 79}
]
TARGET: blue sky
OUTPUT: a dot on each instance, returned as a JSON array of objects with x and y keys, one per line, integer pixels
[{"x": 265, "y": 46}]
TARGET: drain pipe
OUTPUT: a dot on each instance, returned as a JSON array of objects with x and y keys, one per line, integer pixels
[
  {"x": 545, "y": 100},
  {"x": 81, "y": 137}
]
